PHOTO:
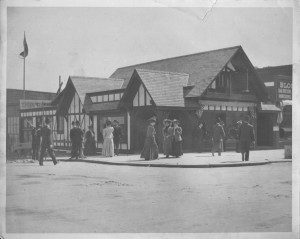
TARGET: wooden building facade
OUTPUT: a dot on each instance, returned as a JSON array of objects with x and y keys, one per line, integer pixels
[{"x": 199, "y": 87}]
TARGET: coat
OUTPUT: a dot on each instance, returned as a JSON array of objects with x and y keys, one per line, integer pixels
[
  {"x": 217, "y": 133},
  {"x": 46, "y": 137},
  {"x": 246, "y": 132}
]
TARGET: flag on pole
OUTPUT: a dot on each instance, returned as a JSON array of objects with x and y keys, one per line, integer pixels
[{"x": 25, "y": 52}]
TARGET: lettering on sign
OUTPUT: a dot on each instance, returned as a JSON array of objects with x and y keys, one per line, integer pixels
[
  {"x": 284, "y": 90},
  {"x": 29, "y": 104}
]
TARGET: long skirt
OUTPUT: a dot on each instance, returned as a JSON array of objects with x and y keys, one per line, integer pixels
[
  {"x": 216, "y": 146},
  {"x": 108, "y": 147},
  {"x": 177, "y": 149},
  {"x": 90, "y": 147},
  {"x": 168, "y": 146},
  {"x": 150, "y": 150}
]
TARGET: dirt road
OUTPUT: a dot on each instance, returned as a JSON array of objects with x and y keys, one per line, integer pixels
[{"x": 83, "y": 197}]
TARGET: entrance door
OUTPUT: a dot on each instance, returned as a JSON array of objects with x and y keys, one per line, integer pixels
[
  {"x": 140, "y": 125},
  {"x": 264, "y": 130}
]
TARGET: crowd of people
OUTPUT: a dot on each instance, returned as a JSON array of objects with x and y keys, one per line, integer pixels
[
  {"x": 84, "y": 143},
  {"x": 172, "y": 138}
]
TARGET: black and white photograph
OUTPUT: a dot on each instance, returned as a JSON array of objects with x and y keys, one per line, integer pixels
[{"x": 149, "y": 120}]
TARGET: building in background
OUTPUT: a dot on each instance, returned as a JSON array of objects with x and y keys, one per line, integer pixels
[
  {"x": 14, "y": 103},
  {"x": 200, "y": 87},
  {"x": 278, "y": 81}
]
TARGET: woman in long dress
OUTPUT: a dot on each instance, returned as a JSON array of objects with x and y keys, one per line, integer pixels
[
  {"x": 108, "y": 143},
  {"x": 167, "y": 137},
  {"x": 150, "y": 150},
  {"x": 89, "y": 145},
  {"x": 177, "y": 150}
]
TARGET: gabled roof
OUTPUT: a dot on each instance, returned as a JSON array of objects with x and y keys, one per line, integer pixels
[
  {"x": 84, "y": 85},
  {"x": 202, "y": 67},
  {"x": 165, "y": 88}
]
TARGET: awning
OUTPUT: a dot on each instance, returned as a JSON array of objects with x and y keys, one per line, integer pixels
[{"x": 268, "y": 108}]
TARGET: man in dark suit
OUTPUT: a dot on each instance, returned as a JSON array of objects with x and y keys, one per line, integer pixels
[
  {"x": 78, "y": 138},
  {"x": 117, "y": 135},
  {"x": 35, "y": 142},
  {"x": 246, "y": 137},
  {"x": 72, "y": 137},
  {"x": 47, "y": 143}
]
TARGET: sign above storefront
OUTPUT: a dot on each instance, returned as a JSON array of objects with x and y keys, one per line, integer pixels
[
  {"x": 284, "y": 90},
  {"x": 29, "y": 104}
]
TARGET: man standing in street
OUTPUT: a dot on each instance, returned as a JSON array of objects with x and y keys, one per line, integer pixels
[
  {"x": 117, "y": 135},
  {"x": 246, "y": 137},
  {"x": 217, "y": 135},
  {"x": 47, "y": 143},
  {"x": 79, "y": 141},
  {"x": 72, "y": 137}
]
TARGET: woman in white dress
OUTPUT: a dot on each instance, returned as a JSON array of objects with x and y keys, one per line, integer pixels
[{"x": 108, "y": 143}]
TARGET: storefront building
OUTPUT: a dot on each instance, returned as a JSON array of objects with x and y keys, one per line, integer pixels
[{"x": 199, "y": 87}]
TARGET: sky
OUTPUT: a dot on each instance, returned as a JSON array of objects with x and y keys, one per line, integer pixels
[{"x": 95, "y": 41}]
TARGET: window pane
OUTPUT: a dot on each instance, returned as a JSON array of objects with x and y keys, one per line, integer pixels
[
  {"x": 94, "y": 99},
  {"x": 105, "y": 97},
  {"x": 100, "y": 98},
  {"x": 111, "y": 97},
  {"x": 117, "y": 96},
  {"x": 142, "y": 96}
]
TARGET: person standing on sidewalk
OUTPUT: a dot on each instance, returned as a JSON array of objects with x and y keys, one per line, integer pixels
[
  {"x": 177, "y": 139},
  {"x": 47, "y": 143},
  {"x": 217, "y": 135},
  {"x": 72, "y": 137},
  {"x": 167, "y": 137},
  {"x": 246, "y": 137},
  {"x": 150, "y": 149},
  {"x": 117, "y": 136},
  {"x": 36, "y": 141}
]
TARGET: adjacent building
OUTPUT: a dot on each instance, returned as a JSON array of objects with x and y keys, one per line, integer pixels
[
  {"x": 278, "y": 81},
  {"x": 17, "y": 131}
]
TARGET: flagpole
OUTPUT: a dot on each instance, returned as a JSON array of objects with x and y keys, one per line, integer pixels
[{"x": 24, "y": 79}]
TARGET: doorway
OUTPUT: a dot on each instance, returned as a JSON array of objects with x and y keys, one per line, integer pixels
[{"x": 264, "y": 130}]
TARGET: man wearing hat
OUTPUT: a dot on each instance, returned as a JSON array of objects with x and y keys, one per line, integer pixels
[
  {"x": 150, "y": 150},
  {"x": 246, "y": 137},
  {"x": 72, "y": 137},
  {"x": 36, "y": 141},
  {"x": 177, "y": 138},
  {"x": 117, "y": 136},
  {"x": 47, "y": 143}
]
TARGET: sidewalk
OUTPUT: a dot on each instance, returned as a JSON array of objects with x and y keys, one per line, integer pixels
[{"x": 192, "y": 160}]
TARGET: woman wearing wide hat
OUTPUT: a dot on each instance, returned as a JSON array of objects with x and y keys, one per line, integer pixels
[
  {"x": 150, "y": 150},
  {"x": 177, "y": 149},
  {"x": 168, "y": 137}
]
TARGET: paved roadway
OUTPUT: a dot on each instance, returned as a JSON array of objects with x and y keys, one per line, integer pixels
[{"x": 83, "y": 197}]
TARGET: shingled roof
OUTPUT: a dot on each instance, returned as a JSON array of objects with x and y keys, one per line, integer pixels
[
  {"x": 202, "y": 67},
  {"x": 165, "y": 88},
  {"x": 84, "y": 85}
]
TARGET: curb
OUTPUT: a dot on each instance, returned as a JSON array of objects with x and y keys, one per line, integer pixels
[{"x": 173, "y": 165}]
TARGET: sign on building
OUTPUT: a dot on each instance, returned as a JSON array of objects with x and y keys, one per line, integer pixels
[
  {"x": 29, "y": 104},
  {"x": 284, "y": 90}
]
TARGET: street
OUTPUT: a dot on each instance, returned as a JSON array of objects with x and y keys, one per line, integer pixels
[{"x": 78, "y": 197}]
